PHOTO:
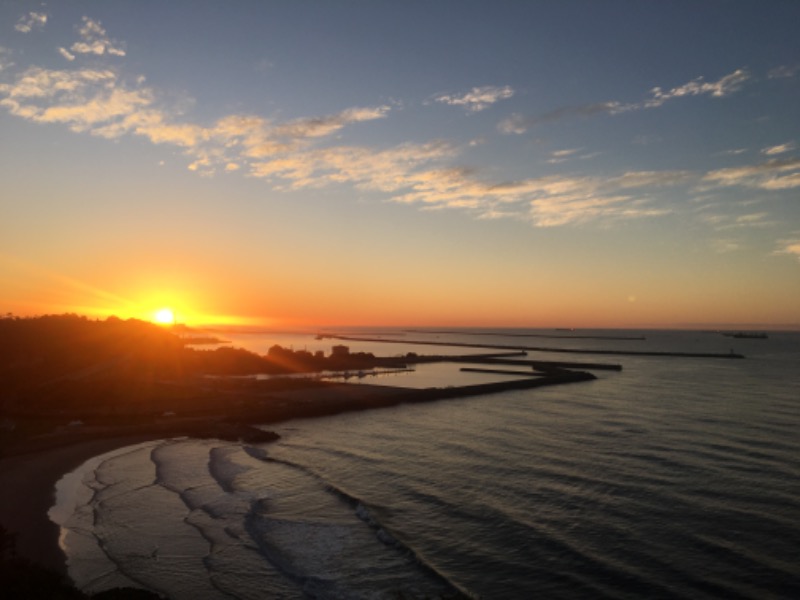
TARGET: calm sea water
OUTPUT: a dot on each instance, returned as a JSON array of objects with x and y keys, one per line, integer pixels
[{"x": 674, "y": 478}]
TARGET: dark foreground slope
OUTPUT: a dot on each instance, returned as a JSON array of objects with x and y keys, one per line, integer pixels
[{"x": 71, "y": 389}]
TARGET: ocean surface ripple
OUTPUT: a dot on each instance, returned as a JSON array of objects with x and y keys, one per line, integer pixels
[{"x": 675, "y": 478}]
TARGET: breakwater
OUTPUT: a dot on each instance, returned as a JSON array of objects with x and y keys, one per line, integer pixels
[
  {"x": 730, "y": 354},
  {"x": 536, "y": 335},
  {"x": 539, "y": 365},
  {"x": 502, "y": 372},
  {"x": 331, "y": 399}
]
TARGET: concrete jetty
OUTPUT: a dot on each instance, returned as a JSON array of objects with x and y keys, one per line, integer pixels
[
  {"x": 629, "y": 338},
  {"x": 731, "y": 354},
  {"x": 502, "y": 372},
  {"x": 540, "y": 365}
]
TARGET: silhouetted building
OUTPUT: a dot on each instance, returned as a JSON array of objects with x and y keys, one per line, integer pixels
[{"x": 340, "y": 352}]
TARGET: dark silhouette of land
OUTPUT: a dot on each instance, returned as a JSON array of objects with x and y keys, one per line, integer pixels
[
  {"x": 57, "y": 370},
  {"x": 22, "y": 578},
  {"x": 72, "y": 388}
]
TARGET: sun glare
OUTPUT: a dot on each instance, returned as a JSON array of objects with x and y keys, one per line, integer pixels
[{"x": 165, "y": 316}]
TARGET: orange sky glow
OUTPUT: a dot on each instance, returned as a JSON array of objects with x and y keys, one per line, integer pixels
[{"x": 611, "y": 178}]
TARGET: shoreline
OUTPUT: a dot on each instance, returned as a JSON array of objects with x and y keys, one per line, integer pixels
[
  {"x": 29, "y": 474},
  {"x": 30, "y": 469},
  {"x": 29, "y": 483}
]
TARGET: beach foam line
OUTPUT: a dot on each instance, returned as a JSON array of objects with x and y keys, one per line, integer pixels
[{"x": 68, "y": 488}]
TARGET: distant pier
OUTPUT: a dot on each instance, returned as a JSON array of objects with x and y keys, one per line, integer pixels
[
  {"x": 730, "y": 354},
  {"x": 502, "y": 372},
  {"x": 535, "y": 335},
  {"x": 539, "y": 365}
]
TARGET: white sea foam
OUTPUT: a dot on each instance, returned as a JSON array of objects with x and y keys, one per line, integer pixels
[
  {"x": 71, "y": 489},
  {"x": 88, "y": 564}
]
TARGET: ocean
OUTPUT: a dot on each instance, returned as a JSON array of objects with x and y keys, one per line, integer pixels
[{"x": 675, "y": 477}]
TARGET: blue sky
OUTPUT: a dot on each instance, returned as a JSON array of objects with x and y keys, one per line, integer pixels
[{"x": 519, "y": 163}]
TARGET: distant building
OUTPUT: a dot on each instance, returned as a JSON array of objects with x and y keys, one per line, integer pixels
[{"x": 340, "y": 351}]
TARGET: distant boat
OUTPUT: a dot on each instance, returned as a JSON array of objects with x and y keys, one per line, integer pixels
[{"x": 750, "y": 335}]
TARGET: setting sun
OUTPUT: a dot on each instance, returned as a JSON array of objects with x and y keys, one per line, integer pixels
[{"x": 165, "y": 316}]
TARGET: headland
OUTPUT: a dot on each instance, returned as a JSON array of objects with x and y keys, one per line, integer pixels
[{"x": 74, "y": 389}]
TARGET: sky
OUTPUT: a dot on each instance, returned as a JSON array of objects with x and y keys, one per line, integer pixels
[{"x": 565, "y": 163}]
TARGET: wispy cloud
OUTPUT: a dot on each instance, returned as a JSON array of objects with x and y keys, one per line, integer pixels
[
  {"x": 779, "y": 149},
  {"x": 420, "y": 174},
  {"x": 564, "y": 153},
  {"x": 725, "y": 86},
  {"x": 559, "y": 210},
  {"x": 775, "y": 174},
  {"x": 733, "y": 152},
  {"x": 722, "y": 215},
  {"x": 66, "y": 54},
  {"x": 94, "y": 40},
  {"x": 560, "y": 156},
  {"x": 784, "y": 72},
  {"x": 31, "y": 21},
  {"x": 478, "y": 98},
  {"x": 289, "y": 154},
  {"x": 315, "y": 127},
  {"x": 520, "y": 124},
  {"x": 388, "y": 170},
  {"x": 725, "y": 245},
  {"x": 81, "y": 98},
  {"x": 752, "y": 219},
  {"x": 652, "y": 179},
  {"x": 576, "y": 200},
  {"x": 5, "y": 59},
  {"x": 99, "y": 102},
  {"x": 731, "y": 222},
  {"x": 733, "y": 82},
  {"x": 790, "y": 247},
  {"x": 310, "y": 153},
  {"x": 545, "y": 201}
]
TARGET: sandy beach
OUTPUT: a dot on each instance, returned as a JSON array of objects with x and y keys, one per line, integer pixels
[
  {"x": 28, "y": 482},
  {"x": 30, "y": 471}
]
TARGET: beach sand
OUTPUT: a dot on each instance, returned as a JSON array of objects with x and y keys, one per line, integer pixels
[
  {"x": 28, "y": 480},
  {"x": 30, "y": 471}
]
